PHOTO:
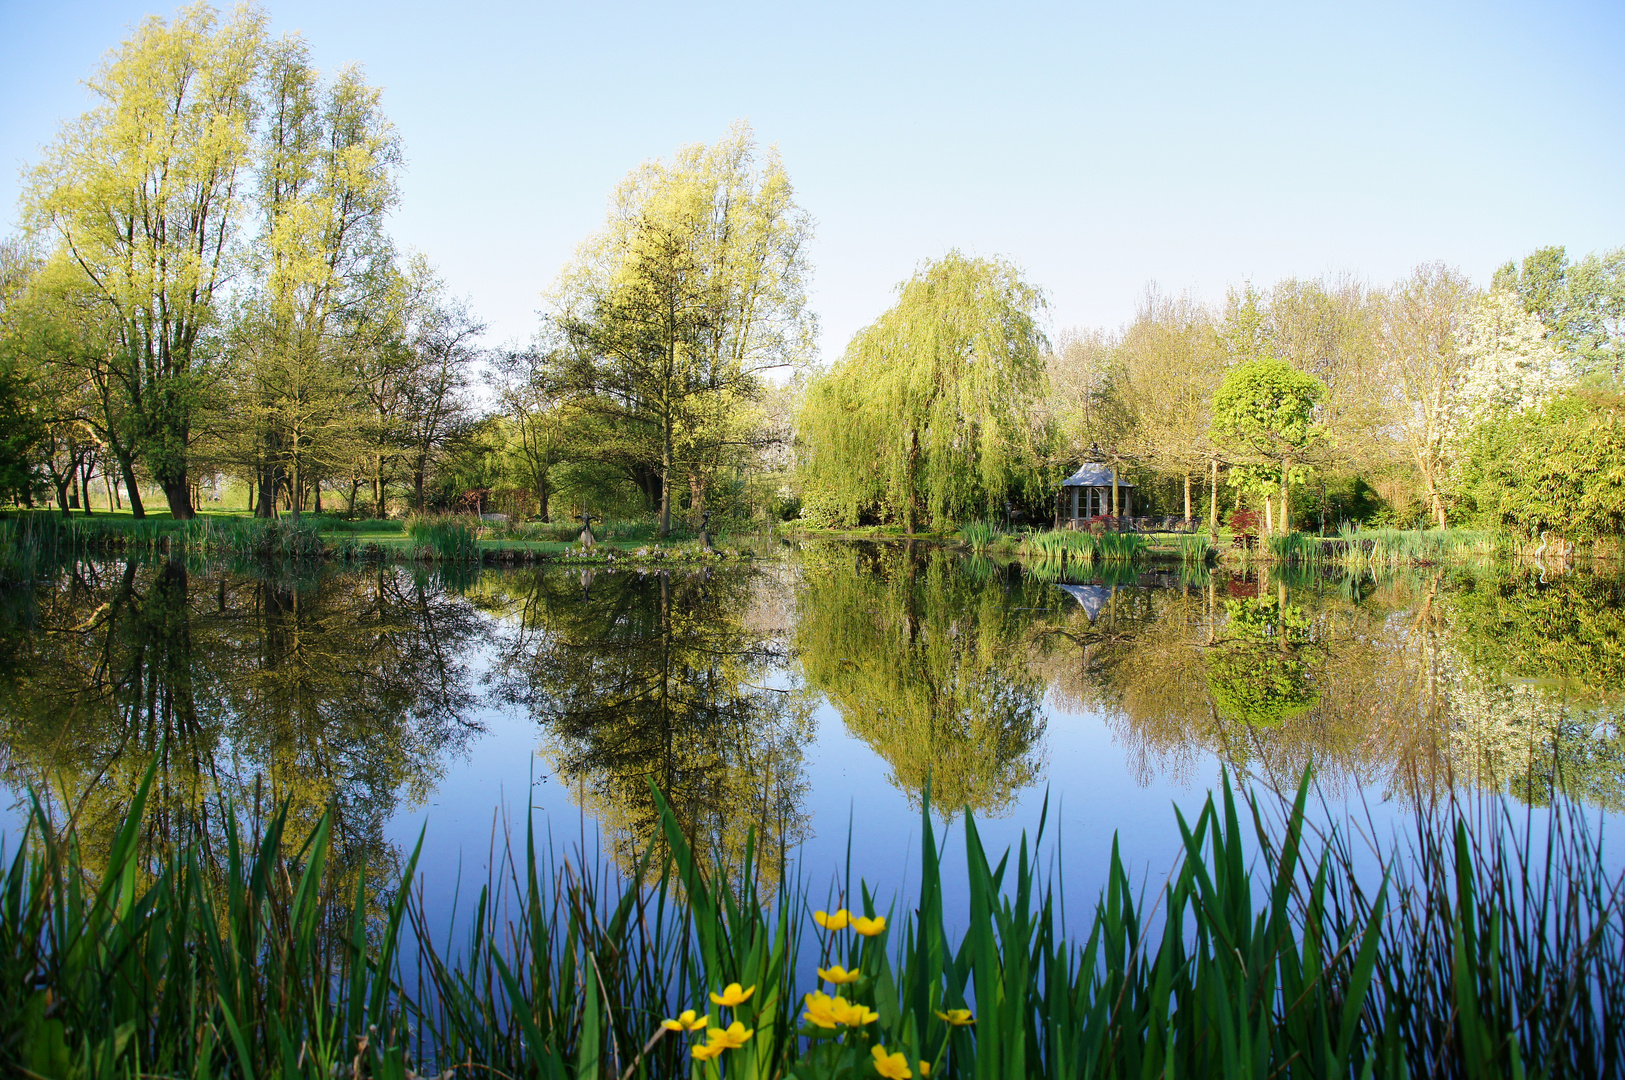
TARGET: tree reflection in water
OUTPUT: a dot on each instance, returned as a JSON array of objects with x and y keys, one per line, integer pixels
[
  {"x": 663, "y": 678},
  {"x": 1414, "y": 683},
  {"x": 925, "y": 661},
  {"x": 350, "y": 688},
  {"x": 324, "y": 689}
]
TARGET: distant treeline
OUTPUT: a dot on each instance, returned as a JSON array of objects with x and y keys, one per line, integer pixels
[
  {"x": 1314, "y": 402},
  {"x": 204, "y": 304}
]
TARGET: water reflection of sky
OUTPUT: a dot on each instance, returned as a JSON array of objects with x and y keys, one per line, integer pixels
[{"x": 877, "y": 644}]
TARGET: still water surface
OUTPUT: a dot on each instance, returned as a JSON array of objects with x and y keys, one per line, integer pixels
[{"x": 805, "y": 700}]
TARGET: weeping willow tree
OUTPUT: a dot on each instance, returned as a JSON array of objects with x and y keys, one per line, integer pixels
[{"x": 930, "y": 416}]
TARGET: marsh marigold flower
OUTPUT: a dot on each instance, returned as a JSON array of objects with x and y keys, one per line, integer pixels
[
  {"x": 731, "y": 1037},
  {"x": 891, "y": 1066},
  {"x": 733, "y": 995},
  {"x": 836, "y": 921},
  {"x": 925, "y": 1068},
  {"x": 839, "y": 975},
  {"x": 851, "y": 1013},
  {"x": 868, "y": 927},
  {"x": 818, "y": 1010},
  {"x": 706, "y": 1051},
  {"x": 957, "y": 1017},
  {"x": 686, "y": 1021}
]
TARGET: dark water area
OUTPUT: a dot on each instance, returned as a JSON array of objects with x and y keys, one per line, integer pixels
[{"x": 805, "y": 701}]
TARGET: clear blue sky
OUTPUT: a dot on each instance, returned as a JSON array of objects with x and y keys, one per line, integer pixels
[{"x": 1100, "y": 146}]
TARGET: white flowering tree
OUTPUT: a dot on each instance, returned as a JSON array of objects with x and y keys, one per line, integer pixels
[{"x": 1508, "y": 365}]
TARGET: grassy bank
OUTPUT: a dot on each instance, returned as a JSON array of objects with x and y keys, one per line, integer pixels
[
  {"x": 32, "y": 541},
  {"x": 1263, "y": 955}
]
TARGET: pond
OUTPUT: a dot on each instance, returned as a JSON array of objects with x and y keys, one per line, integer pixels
[{"x": 806, "y": 700}]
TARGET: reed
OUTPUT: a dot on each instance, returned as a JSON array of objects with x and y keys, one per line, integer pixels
[
  {"x": 1119, "y": 547},
  {"x": 444, "y": 538},
  {"x": 1196, "y": 549},
  {"x": 979, "y": 535},
  {"x": 30, "y": 543},
  {"x": 1058, "y": 544},
  {"x": 1473, "y": 949},
  {"x": 1368, "y": 549},
  {"x": 1292, "y": 547}
]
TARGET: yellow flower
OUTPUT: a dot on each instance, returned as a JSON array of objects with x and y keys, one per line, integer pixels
[
  {"x": 733, "y": 995},
  {"x": 686, "y": 1021},
  {"x": 818, "y": 1010},
  {"x": 891, "y": 1066},
  {"x": 732, "y": 1037},
  {"x": 851, "y": 1014},
  {"x": 706, "y": 1051},
  {"x": 826, "y": 1011},
  {"x": 925, "y": 1068},
  {"x": 868, "y": 927},
  {"x": 957, "y": 1017},
  {"x": 836, "y": 921},
  {"x": 839, "y": 975}
]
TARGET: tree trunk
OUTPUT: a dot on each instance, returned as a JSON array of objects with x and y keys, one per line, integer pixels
[
  {"x": 696, "y": 500},
  {"x": 84, "y": 487},
  {"x": 1187, "y": 499},
  {"x": 1269, "y": 516},
  {"x": 178, "y": 493},
  {"x": 131, "y": 488},
  {"x": 1213, "y": 498},
  {"x": 1286, "y": 513},
  {"x": 112, "y": 491},
  {"x": 265, "y": 506}
]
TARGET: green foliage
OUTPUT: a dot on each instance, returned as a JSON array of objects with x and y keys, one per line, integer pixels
[
  {"x": 1558, "y": 468},
  {"x": 980, "y": 535},
  {"x": 1260, "y": 674},
  {"x": 1265, "y": 412},
  {"x": 1570, "y": 629},
  {"x": 1263, "y": 954},
  {"x": 1364, "y": 549},
  {"x": 695, "y": 286},
  {"x": 1059, "y": 544},
  {"x": 1196, "y": 548},
  {"x": 146, "y": 191},
  {"x": 1102, "y": 547},
  {"x": 1582, "y": 304},
  {"x": 1292, "y": 547},
  {"x": 448, "y": 538},
  {"x": 929, "y": 417},
  {"x": 21, "y": 431},
  {"x": 922, "y": 664}
]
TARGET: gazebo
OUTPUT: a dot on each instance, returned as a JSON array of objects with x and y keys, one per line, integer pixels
[{"x": 1087, "y": 493}]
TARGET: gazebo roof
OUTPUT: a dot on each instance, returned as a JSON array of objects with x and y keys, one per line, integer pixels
[{"x": 1093, "y": 475}]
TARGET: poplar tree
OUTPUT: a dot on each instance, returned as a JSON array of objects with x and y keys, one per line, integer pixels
[
  {"x": 322, "y": 262},
  {"x": 931, "y": 415},
  {"x": 670, "y": 315},
  {"x": 144, "y": 193}
]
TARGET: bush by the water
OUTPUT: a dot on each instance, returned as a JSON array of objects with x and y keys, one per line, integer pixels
[{"x": 1474, "y": 950}]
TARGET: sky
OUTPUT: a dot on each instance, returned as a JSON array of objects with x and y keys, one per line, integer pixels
[{"x": 1101, "y": 147}]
